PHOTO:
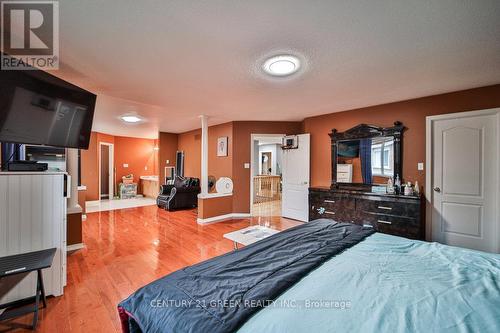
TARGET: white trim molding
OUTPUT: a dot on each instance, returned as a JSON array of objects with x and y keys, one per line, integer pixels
[
  {"x": 204, "y": 155},
  {"x": 74, "y": 210},
  {"x": 225, "y": 217},
  {"x": 74, "y": 247},
  {"x": 213, "y": 195},
  {"x": 254, "y": 137},
  {"x": 111, "y": 162}
]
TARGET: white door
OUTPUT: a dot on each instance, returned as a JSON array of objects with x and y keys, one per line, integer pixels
[
  {"x": 295, "y": 173},
  {"x": 464, "y": 183}
]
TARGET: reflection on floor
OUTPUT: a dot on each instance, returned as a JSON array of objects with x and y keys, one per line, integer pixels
[
  {"x": 269, "y": 208},
  {"x": 106, "y": 205},
  {"x": 124, "y": 250}
]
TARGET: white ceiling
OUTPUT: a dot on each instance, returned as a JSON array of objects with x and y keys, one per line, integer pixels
[{"x": 202, "y": 57}]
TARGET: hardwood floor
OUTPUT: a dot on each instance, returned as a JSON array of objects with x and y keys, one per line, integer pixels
[
  {"x": 124, "y": 250},
  {"x": 268, "y": 208}
]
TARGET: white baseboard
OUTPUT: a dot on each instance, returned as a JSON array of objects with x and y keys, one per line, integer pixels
[
  {"x": 74, "y": 247},
  {"x": 223, "y": 218}
]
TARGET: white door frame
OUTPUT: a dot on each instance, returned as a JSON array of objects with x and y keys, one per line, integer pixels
[
  {"x": 252, "y": 164},
  {"x": 430, "y": 167},
  {"x": 111, "y": 169}
]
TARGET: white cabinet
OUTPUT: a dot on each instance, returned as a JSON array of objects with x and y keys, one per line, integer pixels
[{"x": 33, "y": 217}]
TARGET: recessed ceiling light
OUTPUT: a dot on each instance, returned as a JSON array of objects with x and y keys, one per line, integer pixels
[
  {"x": 131, "y": 119},
  {"x": 281, "y": 65}
]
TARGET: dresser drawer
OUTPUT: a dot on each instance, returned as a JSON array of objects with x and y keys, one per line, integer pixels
[
  {"x": 398, "y": 226},
  {"x": 325, "y": 205},
  {"x": 394, "y": 208},
  {"x": 391, "y": 214},
  {"x": 332, "y": 201}
]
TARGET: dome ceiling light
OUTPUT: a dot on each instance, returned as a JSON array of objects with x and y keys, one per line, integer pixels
[
  {"x": 131, "y": 119},
  {"x": 281, "y": 65}
]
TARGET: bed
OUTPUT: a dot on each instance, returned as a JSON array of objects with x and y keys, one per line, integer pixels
[{"x": 325, "y": 276}]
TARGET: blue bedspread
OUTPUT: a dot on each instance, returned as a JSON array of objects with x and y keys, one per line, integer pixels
[
  {"x": 391, "y": 284},
  {"x": 220, "y": 294}
]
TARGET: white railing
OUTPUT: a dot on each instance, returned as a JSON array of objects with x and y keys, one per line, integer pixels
[{"x": 266, "y": 188}]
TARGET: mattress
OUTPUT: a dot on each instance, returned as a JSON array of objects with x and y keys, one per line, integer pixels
[
  {"x": 221, "y": 294},
  {"x": 391, "y": 284}
]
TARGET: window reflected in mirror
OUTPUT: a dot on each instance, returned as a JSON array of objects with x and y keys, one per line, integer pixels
[{"x": 383, "y": 157}]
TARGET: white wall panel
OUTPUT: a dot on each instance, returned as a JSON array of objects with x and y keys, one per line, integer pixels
[{"x": 33, "y": 217}]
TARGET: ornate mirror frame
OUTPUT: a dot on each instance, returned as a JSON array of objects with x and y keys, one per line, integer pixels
[{"x": 363, "y": 131}]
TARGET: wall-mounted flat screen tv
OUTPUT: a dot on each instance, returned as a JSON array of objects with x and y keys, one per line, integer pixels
[{"x": 39, "y": 108}]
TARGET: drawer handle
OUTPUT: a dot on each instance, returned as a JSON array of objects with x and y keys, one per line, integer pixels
[
  {"x": 384, "y": 207},
  {"x": 329, "y": 212},
  {"x": 321, "y": 210},
  {"x": 384, "y": 222},
  {"x": 330, "y": 201}
]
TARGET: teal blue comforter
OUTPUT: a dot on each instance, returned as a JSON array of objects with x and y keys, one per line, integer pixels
[{"x": 391, "y": 284}]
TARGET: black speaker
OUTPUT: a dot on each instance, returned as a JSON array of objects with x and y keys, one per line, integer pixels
[
  {"x": 179, "y": 164},
  {"x": 27, "y": 166}
]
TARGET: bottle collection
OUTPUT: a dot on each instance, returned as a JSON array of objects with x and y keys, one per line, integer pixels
[{"x": 395, "y": 187}]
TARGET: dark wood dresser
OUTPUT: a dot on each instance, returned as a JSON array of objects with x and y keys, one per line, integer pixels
[{"x": 391, "y": 214}]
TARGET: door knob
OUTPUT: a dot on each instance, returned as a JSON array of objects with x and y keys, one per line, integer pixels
[{"x": 437, "y": 189}]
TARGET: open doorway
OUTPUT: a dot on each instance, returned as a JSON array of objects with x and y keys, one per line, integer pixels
[
  {"x": 266, "y": 171},
  {"x": 106, "y": 171}
]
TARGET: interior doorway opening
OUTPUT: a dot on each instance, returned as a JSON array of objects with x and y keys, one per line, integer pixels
[
  {"x": 106, "y": 171},
  {"x": 266, "y": 175}
]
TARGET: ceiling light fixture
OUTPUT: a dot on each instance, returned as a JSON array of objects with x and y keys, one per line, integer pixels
[
  {"x": 282, "y": 65},
  {"x": 131, "y": 119}
]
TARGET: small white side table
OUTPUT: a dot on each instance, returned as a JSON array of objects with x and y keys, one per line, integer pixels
[{"x": 249, "y": 235}]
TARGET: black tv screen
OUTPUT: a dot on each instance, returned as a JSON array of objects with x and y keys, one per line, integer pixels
[
  {"x": 349, "y": 149},
  {"x": 39, "y": 108}
]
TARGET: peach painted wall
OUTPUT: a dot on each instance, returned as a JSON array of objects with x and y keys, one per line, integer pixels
[
  {"x": 218, "y": 166},
  {"x": 190, "y": 144},
  {"x": 89, "y": 168},
  {"x": 232, "y": 166},
  {"x": 138, "y": 153},
  {"x": 211, "y": 207},
  {"x": 90, "y": 164},
  {"x": 411, "y": 112},
  {"x": 101, "y": 137},
  {"x": 168, "y": 144}
]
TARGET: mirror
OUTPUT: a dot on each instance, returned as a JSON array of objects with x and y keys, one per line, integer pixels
[
  {"x": 266, "y": 163},
  {"x": 365, "y": 161},
  {"x": 366, "y": 155}
]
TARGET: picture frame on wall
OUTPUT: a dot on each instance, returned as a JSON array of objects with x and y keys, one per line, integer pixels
[{"x": 222, "y": 146}]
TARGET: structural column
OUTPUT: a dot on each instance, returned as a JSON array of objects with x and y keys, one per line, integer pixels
[
  {"x": 212, "y": 207},
  {"x": 204, "y": 156}
]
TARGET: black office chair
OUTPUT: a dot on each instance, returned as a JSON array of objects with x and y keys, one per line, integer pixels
[{"x": 182, "y": 194}]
